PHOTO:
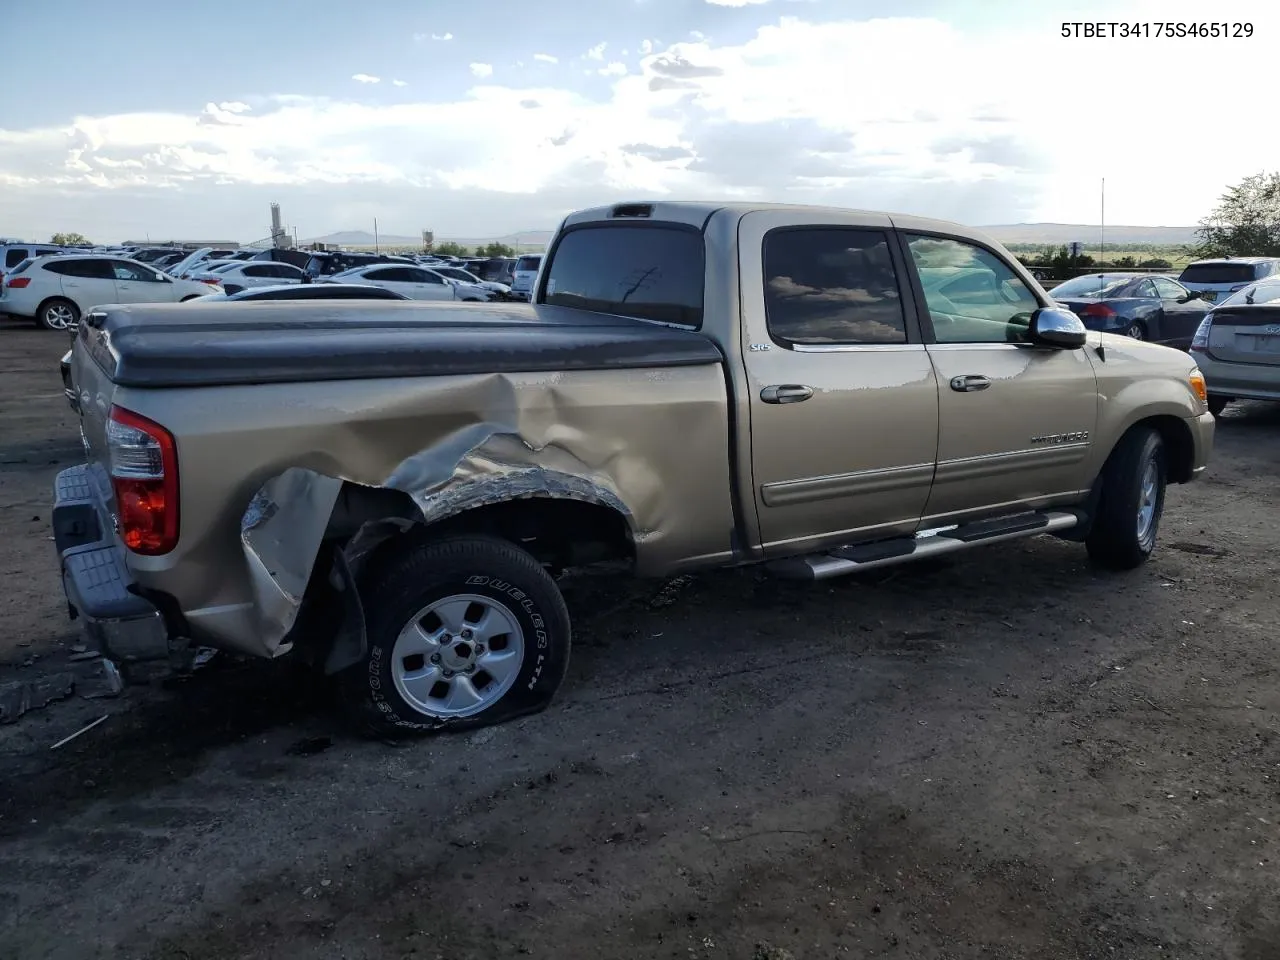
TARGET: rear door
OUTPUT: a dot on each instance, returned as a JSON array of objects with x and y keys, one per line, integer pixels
[
  {"x": 1178, "y": 319},
  {"x": 1015, "y": 420},
  {"x": 843, "y": 398},
  {"x": 138, "y": 284},
  {"x": 85, "y": 281},
  {"x": 255, "y": 275}
]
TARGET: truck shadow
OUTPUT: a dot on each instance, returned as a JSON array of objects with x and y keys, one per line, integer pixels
[{"x": 629, "y": 635}]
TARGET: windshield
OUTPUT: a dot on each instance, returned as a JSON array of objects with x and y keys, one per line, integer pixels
[
  {"x": 1098, "y": 285},
  {"x": 1266, "y": 292}
]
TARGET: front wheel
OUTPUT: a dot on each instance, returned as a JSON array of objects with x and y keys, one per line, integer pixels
[
  {"x": 1123, "y": 533},
  {"x": 461, "y": 633}
]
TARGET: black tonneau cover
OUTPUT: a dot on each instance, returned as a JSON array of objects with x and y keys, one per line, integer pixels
[{"x": 222, "y": 344}]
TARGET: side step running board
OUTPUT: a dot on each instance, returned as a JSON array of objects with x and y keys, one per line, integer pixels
[{"x": 929, "y": 543}]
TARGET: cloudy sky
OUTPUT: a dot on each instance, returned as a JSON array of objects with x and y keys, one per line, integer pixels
[{"x": 482, "y": 119}]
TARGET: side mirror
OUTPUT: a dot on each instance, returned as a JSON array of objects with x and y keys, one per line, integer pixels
[
  {"x": 1058, "y": 328},
  {"x": 162, "y": 278}
]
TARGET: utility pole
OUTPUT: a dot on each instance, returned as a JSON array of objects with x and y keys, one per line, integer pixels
[{"x": 375, "y": 234}]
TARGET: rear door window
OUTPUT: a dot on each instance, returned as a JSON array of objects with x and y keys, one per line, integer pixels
[
  {"x": 832, "y": 285},
  {"x": 87, "y": 269},
  {"x": 642, "y": 270}
]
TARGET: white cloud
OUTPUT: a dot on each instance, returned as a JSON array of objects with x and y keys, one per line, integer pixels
[
  {"x": 646, "y": 47},
  {"x": 365, "y": 78},
  {"x": 597, "y": 52},
  {"x": 755, "y": 119},
  {"x": 482, "y": 70},
  {"x": 424, "y": 37},
  {"x": 399, "y": 83},
  {"x": 736, "y": 3},
  {"x": 613, "y": 69},
  {"x": 546, "y": 58},
  {"x": 697, "y": 35}
]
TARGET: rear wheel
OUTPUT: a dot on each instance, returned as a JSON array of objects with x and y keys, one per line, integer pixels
[
  {"x": 1136, "y": 331},
  {"x": 1123, "y": 532},
  {"x": 461, "y": 633},
  {"x": 1218, "y": 404},
  {"x": 58, "y": 314}
]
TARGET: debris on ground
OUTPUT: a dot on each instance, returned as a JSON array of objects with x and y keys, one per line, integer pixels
[
  {"x": 670, "y": 592},
  {"x": 22, "y": 696},
  {"x": 108, "y": 684},
  {"x": 85, "y": 729}
]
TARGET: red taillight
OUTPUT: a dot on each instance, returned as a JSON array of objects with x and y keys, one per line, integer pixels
[
  {"x": 212, "y": 283},
  {"x": 144, "y": 473},
  {"x": 1097, "y": 310},
  {"x": 17, "y": 283}
]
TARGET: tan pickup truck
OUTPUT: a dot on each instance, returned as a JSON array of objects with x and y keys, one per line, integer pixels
[{"x": 390, "y": 490}]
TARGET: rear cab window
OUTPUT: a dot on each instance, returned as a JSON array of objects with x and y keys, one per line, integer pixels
[{"x": 649, "y": 271}]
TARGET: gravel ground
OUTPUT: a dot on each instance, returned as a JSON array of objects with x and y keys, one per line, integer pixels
[{"x": 1002, "y": 756}]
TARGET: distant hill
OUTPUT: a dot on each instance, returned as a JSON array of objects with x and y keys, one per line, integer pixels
[{"x": 1117, "y": 235}]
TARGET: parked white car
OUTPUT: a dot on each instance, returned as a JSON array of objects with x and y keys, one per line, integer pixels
[
  {"x": 523, "y": 275},
  {"x": 57, "y": 291},
  {"x": 236, "y": 275},
  {"x": 416, "y": 283},
  {"x": 466, "y": 278}
]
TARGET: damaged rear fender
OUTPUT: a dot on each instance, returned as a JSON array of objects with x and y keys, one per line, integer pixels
[{"x": 294, "y": 514}]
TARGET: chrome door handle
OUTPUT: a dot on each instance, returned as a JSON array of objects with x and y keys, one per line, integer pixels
[
  {"x": 786, "y": 393},
  {"x": 970, "y": 383}
]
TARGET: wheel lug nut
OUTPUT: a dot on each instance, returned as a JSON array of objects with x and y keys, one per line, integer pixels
[
  {"x": 479, "y": 649},
  {"x": 466, "y": 634},
  {"x": 435, "y": 658},
  {"x": 448, "y": 673}
]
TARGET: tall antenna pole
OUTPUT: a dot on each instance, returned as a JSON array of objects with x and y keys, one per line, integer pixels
[
  {"x": 375, "y": 234},
  {"x": 1102, "y": 237}
]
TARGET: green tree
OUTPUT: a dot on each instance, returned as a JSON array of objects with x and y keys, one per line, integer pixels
[
  {"x": 1125, "y": 262},
  {"x": 450, "y": 248},
  {"x": 495, "y": 250},
  {"x": 1158, "y": 263},
  {"x": 1246, "y": 221},
  {"x": 68, "y": 239}
]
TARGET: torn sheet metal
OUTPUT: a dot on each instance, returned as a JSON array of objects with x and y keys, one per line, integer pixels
[
  {"x": 659, "y": 458},
  {"x": 281, "y": 532}
]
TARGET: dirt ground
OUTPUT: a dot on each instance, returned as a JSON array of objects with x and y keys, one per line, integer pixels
[{"x": 1003, "y": 756}]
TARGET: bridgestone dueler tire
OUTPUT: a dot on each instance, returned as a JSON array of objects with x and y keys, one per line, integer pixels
[
  {"x": 1113, "y": 542},
  {"x": 426, "y": 572}
]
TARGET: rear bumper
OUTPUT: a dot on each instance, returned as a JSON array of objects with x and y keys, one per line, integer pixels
[
  {"x": 1243, "y": 381},
  {"x": 100, "y": 591}
]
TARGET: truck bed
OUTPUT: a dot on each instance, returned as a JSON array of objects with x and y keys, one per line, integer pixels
[{"x": 225, "y": 344}]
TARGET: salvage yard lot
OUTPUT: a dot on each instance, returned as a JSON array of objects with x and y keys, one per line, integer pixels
[{"x": 1005, "y": 755}]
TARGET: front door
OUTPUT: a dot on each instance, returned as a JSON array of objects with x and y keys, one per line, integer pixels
[
  {"x": 1015, "y": 421},
  {"x": 430, "y": 286},
  {"x": 1180, "y": 317},
  {"x": 843, "y": 399},
  {"x": 138, "y": 284}
]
